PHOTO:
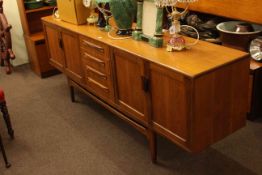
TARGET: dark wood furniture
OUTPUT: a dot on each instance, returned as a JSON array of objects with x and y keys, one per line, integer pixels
[
  {"x": 255, "y": 93},
  {"x": 34, "y": 38},
  {"x": 193, "y": 98},
  {"x": 4, "y": 110}
]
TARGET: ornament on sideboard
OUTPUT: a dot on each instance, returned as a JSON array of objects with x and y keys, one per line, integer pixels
[
  {"x": 104, "y": 14},
  {"x": 91, "y": 4},
  {"x": 150, "y": 19},
  {"x": 124, "y": 12}
]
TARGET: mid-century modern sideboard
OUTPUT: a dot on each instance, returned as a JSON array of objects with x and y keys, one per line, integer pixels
[{"x": 194, "y": 97}]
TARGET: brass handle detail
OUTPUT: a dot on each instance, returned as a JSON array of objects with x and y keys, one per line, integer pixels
[{"x": 98, "y": 48}]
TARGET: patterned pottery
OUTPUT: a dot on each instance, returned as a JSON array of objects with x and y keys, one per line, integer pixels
[{"x": 124, "y": 12}]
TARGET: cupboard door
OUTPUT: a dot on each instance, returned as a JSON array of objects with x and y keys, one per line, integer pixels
[
  {"x": 54, "y": 43},
  {"x": 73, "y": 64},
  {"x": 130, "y": 97},
  {"x": 169, "y": 103}
]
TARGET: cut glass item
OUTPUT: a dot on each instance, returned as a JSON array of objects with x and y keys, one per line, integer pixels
[{"x": 256, "y": 49}]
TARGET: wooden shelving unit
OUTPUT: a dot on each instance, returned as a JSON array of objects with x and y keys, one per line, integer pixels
[
  {"x": 34, "y": 38},
  {"x": 40, "y": 9}
]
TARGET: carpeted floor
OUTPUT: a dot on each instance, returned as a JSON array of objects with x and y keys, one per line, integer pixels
[{"x": 54, "y": 136}]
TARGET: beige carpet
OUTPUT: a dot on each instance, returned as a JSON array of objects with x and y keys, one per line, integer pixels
[{"x": 56, "y": 137}]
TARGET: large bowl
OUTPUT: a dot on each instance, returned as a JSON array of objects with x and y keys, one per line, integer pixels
[{"x": 230, "y": 36}]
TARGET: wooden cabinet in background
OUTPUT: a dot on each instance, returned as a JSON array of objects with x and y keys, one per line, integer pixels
[
  {"x": 34, "y": 38},
  {"x": 245, "y": 10}
]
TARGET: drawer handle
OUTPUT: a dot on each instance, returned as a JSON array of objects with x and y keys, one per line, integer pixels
[
  {"x": 103, "y": 76},
  {"x": 100, "y": 49},
  {"x": 94, "y": 59},
  {"x": 98, "y": 84}
]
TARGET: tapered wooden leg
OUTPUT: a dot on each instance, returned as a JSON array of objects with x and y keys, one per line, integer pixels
[
  {"x": 7, "y": 164},
  {"x": 6, "y": 116},
  {"x": 152, "y": 145},
  {"x": 72, "y": 93}
]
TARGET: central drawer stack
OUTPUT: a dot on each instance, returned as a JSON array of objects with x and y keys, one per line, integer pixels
[{"x": 96, "y": 63}]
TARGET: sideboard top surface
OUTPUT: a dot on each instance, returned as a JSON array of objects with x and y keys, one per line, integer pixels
[{"x": 199, "y": 59}]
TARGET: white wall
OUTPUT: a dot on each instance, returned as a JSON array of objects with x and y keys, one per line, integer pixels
[{"x": 19, "y": 48}]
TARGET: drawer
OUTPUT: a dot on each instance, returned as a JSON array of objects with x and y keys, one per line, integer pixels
[
  {"x": 98, "y": 88},
  {"x": 95, "y": 63},
  {"x": 95, "y": 48},
  {"x": 96, "y": 75}
]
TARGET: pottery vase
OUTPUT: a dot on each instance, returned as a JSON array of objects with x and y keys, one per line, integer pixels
[{"x": 124, "y": 12}]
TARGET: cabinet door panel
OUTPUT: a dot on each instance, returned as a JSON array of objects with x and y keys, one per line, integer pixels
[
  {"x": 169, "y": 104},
  {"x": 53, "y": 38},
  {"x": 73, "y": 65},
  {"x": 130, "y": 95}
]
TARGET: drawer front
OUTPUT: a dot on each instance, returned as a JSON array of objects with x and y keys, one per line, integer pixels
[
  {"x": 97, "y": 80},
  {"x": 96, "y": 75},
  {"x": 95, "y": 63},
  {"x": 99, "y": 89},
  {"x": 95, "y": 48}
]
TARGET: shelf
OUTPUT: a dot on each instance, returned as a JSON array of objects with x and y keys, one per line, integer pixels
[
  {"x": 37, "y": 37},
  {"x": 254, "y": 65},
  {"x": 40, "y": 9}
]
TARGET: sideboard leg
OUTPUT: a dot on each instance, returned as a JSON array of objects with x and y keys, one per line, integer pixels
[
  {"x": 72, "y": 93},
  {"x": 152, "y": 145},
  {"x": 7, "y": 164},
  {"x": 6, "y": 117}
]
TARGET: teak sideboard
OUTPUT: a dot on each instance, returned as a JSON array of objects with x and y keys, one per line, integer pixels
[{"x": 194, "y": 98}]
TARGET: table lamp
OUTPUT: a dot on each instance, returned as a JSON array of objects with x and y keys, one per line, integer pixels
[{"x": 150, "y": 19}]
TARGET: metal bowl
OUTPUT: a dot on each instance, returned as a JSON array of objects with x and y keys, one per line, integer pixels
[
  {"x": 232, "y": 37},
  {"x": 232, "y": 28}
]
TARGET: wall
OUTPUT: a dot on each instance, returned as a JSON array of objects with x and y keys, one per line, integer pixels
[{"x": 19, "y": 48}]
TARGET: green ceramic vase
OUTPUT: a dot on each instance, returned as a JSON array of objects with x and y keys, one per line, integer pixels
[{"x": 124, "y": 12}]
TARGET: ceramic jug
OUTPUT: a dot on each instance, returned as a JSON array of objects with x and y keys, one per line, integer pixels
[{"x": 124, "y": 12}]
